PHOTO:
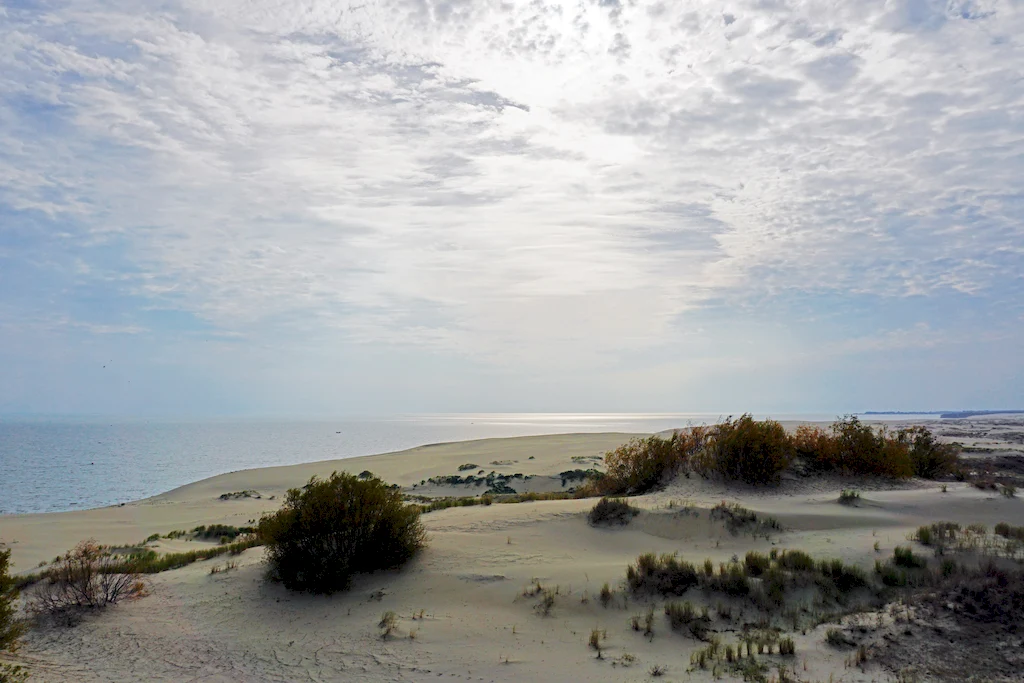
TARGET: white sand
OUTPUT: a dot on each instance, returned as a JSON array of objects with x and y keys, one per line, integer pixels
[{"x": 468, "y": 583}]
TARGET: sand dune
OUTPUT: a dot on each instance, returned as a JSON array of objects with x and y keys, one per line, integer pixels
[{"x": 462, "y": 612}]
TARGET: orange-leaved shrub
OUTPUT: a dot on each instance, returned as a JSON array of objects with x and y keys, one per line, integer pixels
[
  {"x": 644, "y": 464},
  {"x": 855, "y": 448},
  {"x": 334, "y": 528}
]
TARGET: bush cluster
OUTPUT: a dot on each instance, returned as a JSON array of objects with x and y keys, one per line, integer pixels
[
  {"x": 851, "y": 447},
  {"x": 332, "y": 529},
  {"x": 759, "y": 451}
]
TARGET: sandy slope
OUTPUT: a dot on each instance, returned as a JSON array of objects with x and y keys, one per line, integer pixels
[{"x": 476, "y": 623}]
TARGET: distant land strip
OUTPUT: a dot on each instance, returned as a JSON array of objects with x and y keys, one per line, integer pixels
[{"x": 948, "y": 415}]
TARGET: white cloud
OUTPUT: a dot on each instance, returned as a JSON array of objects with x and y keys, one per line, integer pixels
[{"x": 534, "y": 180}]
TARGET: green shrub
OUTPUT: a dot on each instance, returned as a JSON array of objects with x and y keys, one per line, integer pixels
[
  {"x": 332, "y": 529},
  {"x": 611, "y": 511},
  {"x": 665, "y": 575},
  {"x": 929, "y": 458},
  {"x": 10, "y": 627},
  {"x": 748, "y": 450}
]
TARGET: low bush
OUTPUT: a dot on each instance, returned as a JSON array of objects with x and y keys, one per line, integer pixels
[
  {"x": 1012, "y": 532},
  {"x": 468, "y": 466},
  {"x": 644, "y": 464},
  {"x": 86, "y": 577},
  {"x": 332, "y": 529},
  {"x": 664, "y": 575},
  {"x": 611, "y": 511}
]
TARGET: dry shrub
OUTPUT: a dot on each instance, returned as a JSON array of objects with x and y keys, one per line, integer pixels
[
  {"x": 332, "y": 529},
  {"x": 86, "y": 577},
  {"x": 644, "y": 464},
  {"x": 748, "y": 450}
]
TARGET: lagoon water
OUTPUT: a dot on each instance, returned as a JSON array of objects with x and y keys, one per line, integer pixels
[{"x": 49, "y": 465}]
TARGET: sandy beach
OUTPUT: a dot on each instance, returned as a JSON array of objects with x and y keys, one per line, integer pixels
[{"x": 463, "y": 605}]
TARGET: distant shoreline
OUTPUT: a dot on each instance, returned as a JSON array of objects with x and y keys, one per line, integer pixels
[{"x": 949, "y": 415}]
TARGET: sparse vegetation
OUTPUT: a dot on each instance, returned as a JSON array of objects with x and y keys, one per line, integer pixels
[
  {"x": 738, "y": 518},
  {"x": 468, "y": 466},
  {"x": 388, "y": 625},
  {"x": 332, "y": 529},
  {"x": 837, "y": 638},
  {"x": 86, "y": 577},
  {"x": 236, "y": 495},
  {"x": 223, "y": 532},
  {"x": 611, "y": 511},
  {"x": 596, "y": 635}
]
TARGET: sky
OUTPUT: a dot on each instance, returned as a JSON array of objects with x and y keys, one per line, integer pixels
[{"x": 320, "y": 207}]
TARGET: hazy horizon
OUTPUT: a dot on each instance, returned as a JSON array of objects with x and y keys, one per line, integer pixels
[{"x": 255, "y": 208}]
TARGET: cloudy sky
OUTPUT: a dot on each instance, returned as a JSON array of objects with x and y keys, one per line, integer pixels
[{"x": 330, "y": 207}]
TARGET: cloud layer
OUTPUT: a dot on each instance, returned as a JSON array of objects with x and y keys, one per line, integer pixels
[{"x": 537, "y": 187}]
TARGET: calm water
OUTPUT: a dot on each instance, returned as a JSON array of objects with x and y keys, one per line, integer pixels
[{"x": 52, "y": 465}]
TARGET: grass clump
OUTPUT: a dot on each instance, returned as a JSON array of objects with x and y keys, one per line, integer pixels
[
  {"x": 332, "y": 529},
  {"x": 756, "y": 563},
  {"x": 664, "y": 575},
  {"x": 849, "y": 497},
  {"x": 903, "y": 556},
  {"x": 611, "y": 511}
]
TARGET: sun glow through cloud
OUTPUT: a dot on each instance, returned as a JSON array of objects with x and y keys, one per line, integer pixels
[{"x": 594, "y": 205}]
